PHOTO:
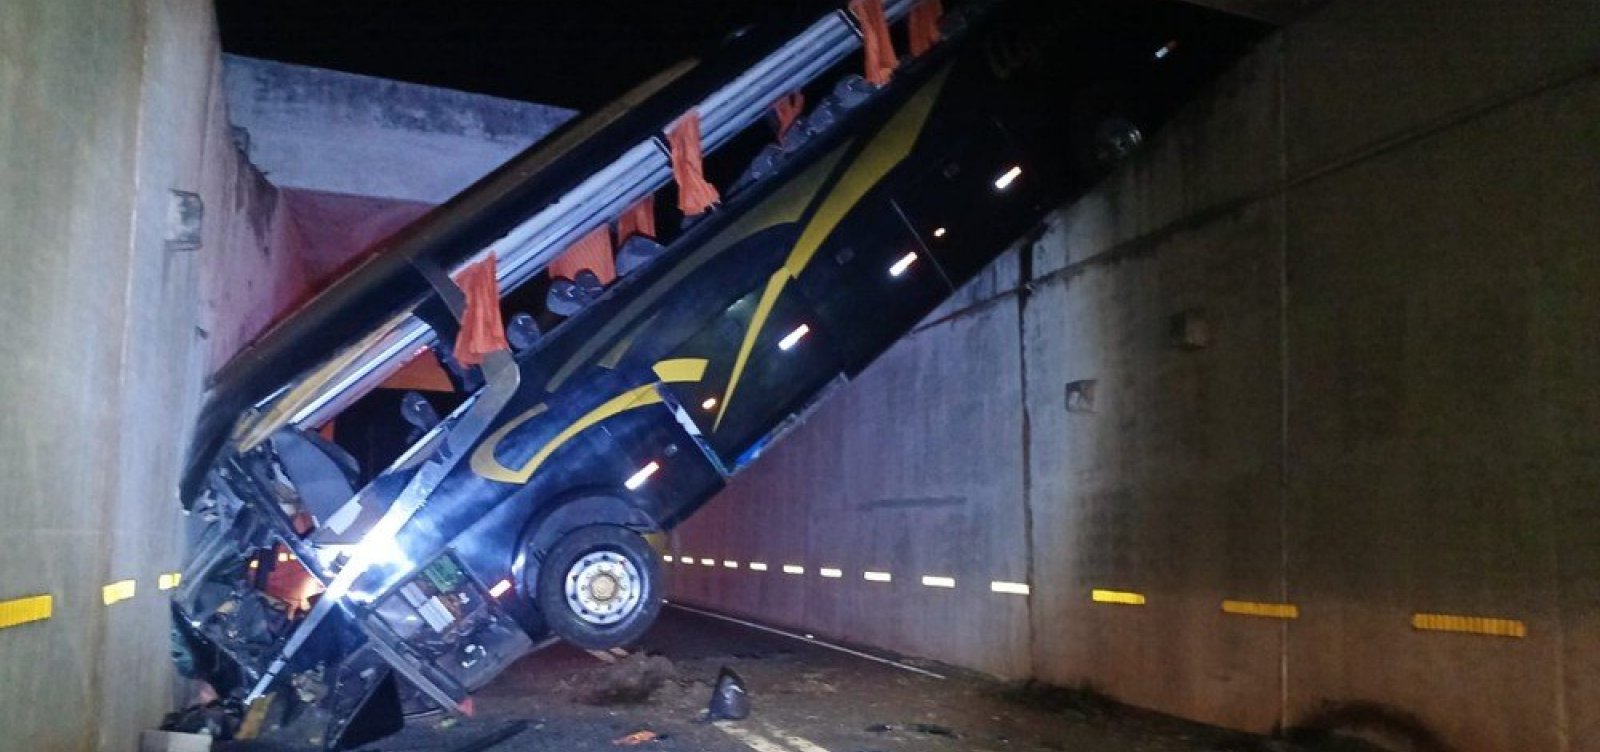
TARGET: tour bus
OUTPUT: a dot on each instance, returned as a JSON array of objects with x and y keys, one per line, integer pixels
[{"x": 327, "y": 598}]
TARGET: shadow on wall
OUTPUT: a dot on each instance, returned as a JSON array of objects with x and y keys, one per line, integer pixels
[{"x": 1365, "y": 726}]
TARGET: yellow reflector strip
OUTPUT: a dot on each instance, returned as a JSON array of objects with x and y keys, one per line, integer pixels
[
  {"x": 877, "y": 576},
  {"x": 1117, "y": 596},
  {"x": 24, "y": 610},
  {"x": 929, "y": 580},
  {"x": 757, "y": 566},
  {"x": 1469, "y": 625},
  {"x": 118, "y": 591},
  {"x": 831, "y": 572},
  {"x": 1265, "y": 610},
  {"x": 169, "y": 580}
]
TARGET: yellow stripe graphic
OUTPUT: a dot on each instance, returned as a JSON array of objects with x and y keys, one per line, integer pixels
[
  {"x": 784, "y": 207},
  {"x": 486, "y": 465},
  {"x": 889, "y": 148}
]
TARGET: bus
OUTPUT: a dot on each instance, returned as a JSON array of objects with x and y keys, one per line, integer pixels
[{"x": 327, "y": 599}]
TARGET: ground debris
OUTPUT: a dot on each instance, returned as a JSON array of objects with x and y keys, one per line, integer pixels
[
  {"x": 1084, "y": 700},
  {"x": 642, "y": 736},
  {"x": 630, "y": 681},
  {"x": 931, "y": 729}
]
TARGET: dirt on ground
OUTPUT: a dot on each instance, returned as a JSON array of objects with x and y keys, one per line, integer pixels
[{"x": 803, "y": 697}]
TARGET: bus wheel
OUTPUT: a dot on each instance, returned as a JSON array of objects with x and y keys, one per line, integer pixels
[{"x": 599, "y": 587}]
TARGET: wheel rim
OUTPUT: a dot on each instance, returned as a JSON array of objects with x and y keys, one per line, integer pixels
[{"x": 603, "y": 587}]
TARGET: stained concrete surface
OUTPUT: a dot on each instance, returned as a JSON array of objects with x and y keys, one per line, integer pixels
[
  {"x": 805, "y": 698},
  {"x": 334, "y": 132},
  {"x": 107, "y": 111},
  {"x": 1384, "y": 219}
]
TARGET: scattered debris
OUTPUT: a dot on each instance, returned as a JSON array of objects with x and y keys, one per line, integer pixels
[
  {"x": 1084, "y": 700},
  {"x": 636, "y": 738},
  {"x": 630, "y": 681},
  {"x": 729, "y": 701},
  {"x": 931, "y": 729},
  {"x": 217, "y": 719}
]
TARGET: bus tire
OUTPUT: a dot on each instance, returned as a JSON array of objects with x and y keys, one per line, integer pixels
[{"x": 599, "y": 587}]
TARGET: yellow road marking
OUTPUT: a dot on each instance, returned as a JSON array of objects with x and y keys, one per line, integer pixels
[
  {"x": 1119, "y": 597},
  {"x": 1265, "y": 610},
  {"x": 24, "y": 610},
  {"x": 118, "y": 591},
  {"x": 1482, "y": 625}
]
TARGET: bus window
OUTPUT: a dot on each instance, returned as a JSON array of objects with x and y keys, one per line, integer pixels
[
  {"x": 764, "y": 364},
  {"x": 871, "y": 281}
]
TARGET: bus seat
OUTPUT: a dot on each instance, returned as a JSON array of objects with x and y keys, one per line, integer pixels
[
  {"x": 569, "y": 296},
  {"x": 522, "y": 331},
  {"x": 323, "y": 473},
  {"x": 635, "y": 253}
]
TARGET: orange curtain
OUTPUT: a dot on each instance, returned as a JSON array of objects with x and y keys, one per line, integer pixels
[
  {"x": 695, "y": 195},
  {"x": 788, "y": 109},
  {"x": 482, "y": 331},
  {"x": 924, "y": 26},
  {"x": 592, "y": 252},
  {"x": 639, "y": 219},
  {"x": 875, "y": 40}
]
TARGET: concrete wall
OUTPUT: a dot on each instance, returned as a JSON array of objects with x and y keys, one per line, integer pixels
[
  {"x": 1383, "y": 221},
  {"x": 334, "y": 132},
  {"x": 109, "y": 107}
]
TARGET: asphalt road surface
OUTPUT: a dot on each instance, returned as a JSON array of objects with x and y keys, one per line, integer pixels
[{"x": 805, "y": 697}]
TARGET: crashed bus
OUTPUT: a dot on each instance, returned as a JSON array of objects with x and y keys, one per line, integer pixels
[{"x": 522, "y": 515}]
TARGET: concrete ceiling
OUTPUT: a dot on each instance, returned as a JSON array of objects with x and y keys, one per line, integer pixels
[{"x": 1279, "y": 12}]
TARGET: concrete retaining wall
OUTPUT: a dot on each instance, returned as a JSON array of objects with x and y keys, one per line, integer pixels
[
  {"x": 1378, "y": 235},
  {"x": 109, "y": 107}
]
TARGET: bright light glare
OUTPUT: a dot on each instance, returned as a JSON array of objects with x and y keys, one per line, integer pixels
[
  {"x": 929, "y": 580},
  {"x": 709, "y": 404},
  {"x": 876, "y": 576},
  {"x": 633, "y": 483},
  {"x": 789, "y": 340},
  {"x": 1166, "y": 50},
  {"x": 383, "y": 550},
  {"x": 939, "y": 233},
  {"x": 903, "y": 264},
  {"x": 1004, "y": 181},
  {"x": 500, "y": 588}
]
